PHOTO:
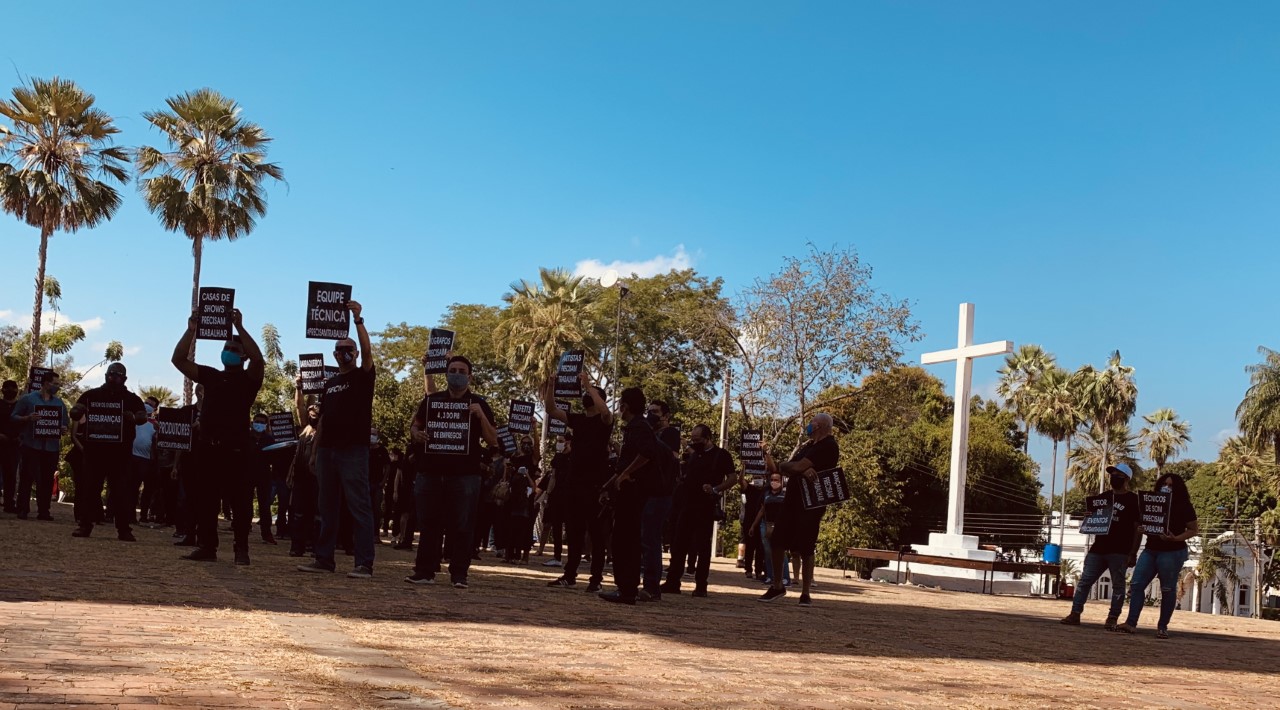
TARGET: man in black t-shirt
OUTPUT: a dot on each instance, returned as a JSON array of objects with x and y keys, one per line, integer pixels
[
  {"x": 111, "y": 416},
  {"x": 658, "y": 506},
  {"x": 1116, "y": 551},
  {"x": 8, "y": 447},
  {"x": 219, "y": 463},
  {"x": 588, "y": 471},
  {"x": 628, "y": 492},
  {"x": 797, "y": 530},
  {"x": 340, "y": 453},
  {"x": 449, "y": 427},
  {"x": 706, "y": 472}
]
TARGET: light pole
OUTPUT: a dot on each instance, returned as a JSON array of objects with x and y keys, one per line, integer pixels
[{"x": 609, "y": 280}]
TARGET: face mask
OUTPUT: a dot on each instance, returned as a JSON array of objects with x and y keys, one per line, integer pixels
[
  {"x": 559, "y": 448},
  {"x": 115, "y": 380},
  {"x": 259, "y": 427},
  {"x": 808, "y": 430},
  {"x": 1118, "y": 481},
  {"x": 586, "y": 403},
  {"x": 776, "y": 485},
  {"x": 53, "y": 389},
  {"x": 654, "y": 420},
  {"x": 231, "y": 358},
  {"x": 457, "y": 380},
  {"x": 1166, "y": 489},
  {"x": 373, "y": 438},
  {"x": 345, "y": 357}
]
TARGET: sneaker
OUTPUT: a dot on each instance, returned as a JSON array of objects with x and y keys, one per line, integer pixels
[
  {"x": 806, "y": 600},
  {"x": 44, "y": 516},
  {"x": 593, "y": 587},
  {"x": 296, "y": 553},
  {"x": 126, "y": 537},
  {"x": 460, "y": 584},
  {"x": 316, "y": 566},
  {"x": 700, "y": 593},
  {"x": 81, "y": 532},
  {"x": 786, "y": 583},
  {"x": 242, "y": 557},
  {"x": 1072, "y": 619},
  {"x": 772, "y": 594},
  {"x": 200, "y": 555},
  {"x": 553, "y": 563},
  {"x": 617, "y": 598},
  {"x": 767, "y": 581},
  {"x": 268, "y": 538},
  {"x": 360, "y": 572},
  {"x": 1111, "y": 622},
  {"x": 421, "y": 579},
  {"x": 669, "y": 588},
  {"x": 188, "y": 541},
  {"x": 22, "y": 516},
  {"x": 643, "y": 596},
  {"x": 561, "y": 582}
]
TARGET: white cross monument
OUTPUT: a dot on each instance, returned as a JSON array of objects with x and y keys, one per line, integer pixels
[{"x": 954, "y": 543}]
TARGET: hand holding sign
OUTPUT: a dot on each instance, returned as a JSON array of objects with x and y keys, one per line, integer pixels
[
  {"x": 327, "y": 310},
  {"x": 439, "y": 350}
]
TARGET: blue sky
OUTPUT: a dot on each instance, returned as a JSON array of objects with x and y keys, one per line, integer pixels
[{"x": 1094, "y": 176}]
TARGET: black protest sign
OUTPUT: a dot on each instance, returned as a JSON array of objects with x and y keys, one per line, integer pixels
[
  {"x": 1155, "y": 512},
  {"x": 438, "y": 347},
  {"x": 105, "y": 422},
  {"x": 827, "y": 488},
  {"x": 520, "y": 416},
  {"x": 1098, "y": 519},
  {"x": 327, "y": 316},
  {"x": 557, "y": 427},
  {"x": 213, "y": 313},
  {"x": 281, "y": 427},
  {"x": 506, "y": 440},
  {"x": 35, "y": 378},
  {"x": 174, "y": 427},
  {"x": 567, "y": 384},
  {"x": 448, "y": 425},
  {"x": 330, "y": 372},
  {"x": 48, "y": 422},
  {"x": 311, "y": 367},
  {"x": 752, "y": 452}
]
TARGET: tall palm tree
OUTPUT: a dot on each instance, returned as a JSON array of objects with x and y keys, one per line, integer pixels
[
  {"x": 209, "y": 184},
  {"x": 1241, "y": 468},
  {"x": 1259, "y": 411},
  {"x": 1022, "y": 369},
  {"x": 1109, "y": 399},
  {"x": 1056, "y": 415},
  {"x": 1164, "y": 437},
  {"x": 1219, "y": 569},
  {"x": 1097, "y": 449},
  {"x": 164, "y": 395},
  {"x": 63, "y": 166}
]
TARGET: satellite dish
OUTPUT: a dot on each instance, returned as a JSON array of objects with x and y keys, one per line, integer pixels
[{"x": 609, "y": 279}]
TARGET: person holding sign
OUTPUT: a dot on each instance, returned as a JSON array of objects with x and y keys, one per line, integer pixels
[
  {"x": 218, "y": 459},
  {"x": 1115, "y": 550},
  {"x": 797, "y": 529},
  {"x": 340, "y": 456},
  {"x": 1163, "y": 557},
  {"x": 705, "y": 474},
  {"x": 43, "y": 420},
  {"x": 9, "y": 450},
  {"x": 111, "y": 415},
  {"x": 628, "y": 491},
  {"x": 449, "y": 426}
]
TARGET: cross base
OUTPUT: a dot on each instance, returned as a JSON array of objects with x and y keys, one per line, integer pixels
[{"x": 964, "y": 547}]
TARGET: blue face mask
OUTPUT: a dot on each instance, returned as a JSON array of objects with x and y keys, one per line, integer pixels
[
  {"x": 231, "y": 358},
  {"x": 259, "y": 427},
  {"x": 808, "y": 430},
  {"x": 457, "y": 380}
]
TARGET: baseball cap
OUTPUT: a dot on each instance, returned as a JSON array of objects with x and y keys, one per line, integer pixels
[{"x": 1123, "y": 469}]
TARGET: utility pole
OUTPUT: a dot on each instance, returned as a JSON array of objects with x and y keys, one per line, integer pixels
[
  {"x": 1256, "y": 611},
  {"x": 724, "y": 440}
]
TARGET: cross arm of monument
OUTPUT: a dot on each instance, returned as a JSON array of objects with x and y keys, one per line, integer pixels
[{"x": 999, "y": 347}]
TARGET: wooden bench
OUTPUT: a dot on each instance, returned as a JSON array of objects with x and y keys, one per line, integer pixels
[{"x": 987, "y": 567}]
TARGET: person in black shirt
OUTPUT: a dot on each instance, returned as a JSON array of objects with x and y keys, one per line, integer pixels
[
  {"x": 1115, "y": 551},
  {"x": 220, "y": 453},
  {"x": 657, "y": 507},
  {"x": 449, "y": 472},
  {"x": 753, "y": 550},
  {"x": 340, "y": 453},
  {"x": 708, "y": 469},
  {"x": 579, "y": 490},
  {"x": 1163, "y": 557},
  {"x": 260, "y": 472},
  {"x": 522, "y": 473},
  {"x": 797, "y": 529},
  {"x": 8, "y": 447},
  {"x": 111, "y": 414},
  {"x": 628, "y": 491}
]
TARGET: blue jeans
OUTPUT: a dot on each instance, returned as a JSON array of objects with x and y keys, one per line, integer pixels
[
  {"x": 447, "y": 505},
  {"x": 346, "y": 468},
  {"x": 656, "y": 512},
  {"x": 768, "y": 557},
  {"x": 1166, "y": 565},
  {"x": 1094, "y": 566}
]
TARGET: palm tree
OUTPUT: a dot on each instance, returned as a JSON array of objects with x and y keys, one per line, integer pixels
[
  {"x": 1109, "y": 398},
  {"x": 1259, "y": 411},
  {"x": 63, "y": 162},
  {"x": 209, "y": 185},
  {"x": 1098, "y": 449},
  {"x": 1241, "y": 468},
  {"x": 1216, "y": 566},
  {"x": 164, "y": 395},
  {"x": 1018, "y": 377},
  {"x": 1164, "y": 436},
  {"x": 1056, "y": 415}
]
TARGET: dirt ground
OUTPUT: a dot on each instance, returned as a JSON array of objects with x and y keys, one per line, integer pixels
[{"x": 101, "y": 623}]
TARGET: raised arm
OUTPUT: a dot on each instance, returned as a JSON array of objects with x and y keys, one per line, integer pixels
[
  {"x": 366, "y": 348},
  {"x": 549, "y": 402},
  {"x": 182, "y": 351},
  {"x": 594, "y": 395},
  {"x": 257, "y": 365}
]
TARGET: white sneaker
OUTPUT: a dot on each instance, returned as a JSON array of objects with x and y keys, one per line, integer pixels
[{"x": 553, "y": 563}]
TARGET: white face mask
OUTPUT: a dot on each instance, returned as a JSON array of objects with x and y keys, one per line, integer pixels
[
  {"x": 373, "y": 438},
  {"x": 559, "y": 448}
]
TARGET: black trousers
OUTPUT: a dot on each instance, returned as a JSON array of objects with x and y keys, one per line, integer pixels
[
  {"x": 752, "y": 553},
  {"x": 221, "y": 474},
  {"x": 38, "y": 468},
  {"x": 110, "y": 465},
  {"x": 628, "y": 511},
  {"x": 8, "y": 474},
  {"x": 691, "y": 537},
  {"x": 302, "y": 513},
  {"x": 582, "y": 517}
]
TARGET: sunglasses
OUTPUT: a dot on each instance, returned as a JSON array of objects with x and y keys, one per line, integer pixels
[{"x": 344, "y": 349}]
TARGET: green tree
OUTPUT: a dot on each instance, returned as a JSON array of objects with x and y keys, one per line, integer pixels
[
  {"x": 1096, "y": 449},
  {"x": 1164, "y": 437},
  {"x": 164, "y": 395},
  {"x": 1218, "y": 568},
  {"x": 543, "y": 320},
  {"x": 1259, "y": 411},
  {"x": 1055, "y": 410},
  {"x": 63, "y": 168},
  {"x": 1109, "y": 398},
  {"x": 278, "y": 375},
  {"x": 1022, "y": 371},
  {"x": 209, "y": 184},
  {"x": 1240, "y": 467},
  {"x": 53, "y": 294}
]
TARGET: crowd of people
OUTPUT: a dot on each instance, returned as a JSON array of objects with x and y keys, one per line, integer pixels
[{"x": 620, "y": 487}]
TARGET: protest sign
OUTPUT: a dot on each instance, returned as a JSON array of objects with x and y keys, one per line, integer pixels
[
  {"x": 438, "y": 347},
  {"x": 1155, "y": 512},
  {"x": 567, "y": 384},
  {"x": 281, "y": 427},
  {"x": 105, "y": 422},
  {"x": 752, "y": 452},
  {"x": 35, "y": 378},
  {"x": 1098, "y": 517},
  {"x": 520, "y": 416},
  {"x": 327, "y": 316},
  {"x": 213, "y": 313},
  {"x": 506, "y": 440},
  {"x": 448, "y": 425},
  {"x": 174, "y": 427},
  {"x": 311, "y": 367},
  {"x": 555, "y": 427},
  {"x": 827, "y": 488},
  {"x": 48, "y": 423}
]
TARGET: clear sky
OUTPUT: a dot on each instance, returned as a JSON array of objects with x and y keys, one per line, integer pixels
[{"x": 1094, "y": 176}]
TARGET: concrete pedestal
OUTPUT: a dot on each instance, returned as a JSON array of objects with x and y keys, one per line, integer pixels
[{"x": 963, "y": 547}]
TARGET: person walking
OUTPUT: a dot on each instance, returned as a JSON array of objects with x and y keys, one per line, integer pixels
[{"x": 1114, "y": 551}]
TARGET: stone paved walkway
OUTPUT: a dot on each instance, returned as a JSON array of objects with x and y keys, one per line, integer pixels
[{"x": 103, "y": 624}]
